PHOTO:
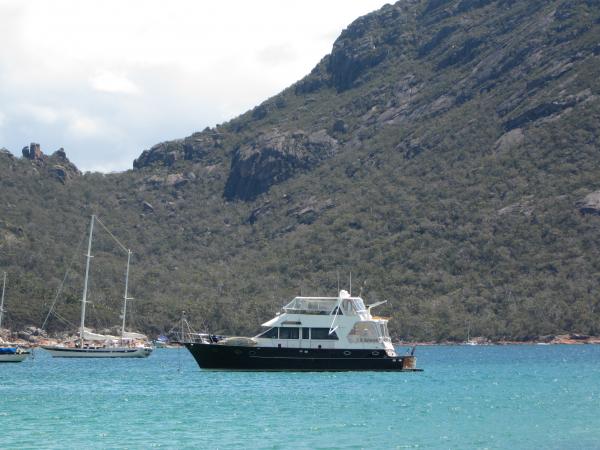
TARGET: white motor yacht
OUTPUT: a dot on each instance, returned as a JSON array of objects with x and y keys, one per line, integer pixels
[{"x": 310, "y": 334}]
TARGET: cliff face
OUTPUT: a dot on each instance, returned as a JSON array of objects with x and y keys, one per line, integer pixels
[
  {"x": 444, "y": 152},
  {"x": 400, "y": 66}
]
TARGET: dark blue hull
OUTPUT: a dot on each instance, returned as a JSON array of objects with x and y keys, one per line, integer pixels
[{"x": 229, "y": 357}]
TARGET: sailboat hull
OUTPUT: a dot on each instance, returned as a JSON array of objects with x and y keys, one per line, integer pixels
[{"x": 113, "y": 352}]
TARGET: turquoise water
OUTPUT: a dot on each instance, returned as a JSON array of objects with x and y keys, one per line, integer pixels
[{"x": 519, "y": 397}]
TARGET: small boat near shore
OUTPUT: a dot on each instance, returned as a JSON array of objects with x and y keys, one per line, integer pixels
[
  {"x": 95, "y": 345},
  {"x": 10, "y": 352},
  {"x": 310, "y": 334},
  {"x": 13, "y": 353}
]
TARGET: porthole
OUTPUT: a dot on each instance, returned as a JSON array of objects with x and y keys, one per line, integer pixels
[
  {"x": 347, "y": 353},
  {"x": 375, "y": 353},
  {"x": 238, "y": 352},
  {"x": 251, "y": 353}
]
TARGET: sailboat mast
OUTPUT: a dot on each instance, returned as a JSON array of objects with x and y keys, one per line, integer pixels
[
  {"x": 2, "y": 303},
  {"x": 85, "y": 283},
  {"x": 125, "y": 295}
]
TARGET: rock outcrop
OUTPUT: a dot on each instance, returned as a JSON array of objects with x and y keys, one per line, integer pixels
[
  {"x": 33, "y": 152},
  {"x": 310, "y": 210},
  {"x": 366, "y": 43},
  {"x": 63, "y": 169},
  {"x": 198, "y": 147},
  {"x": 57, "y": 164},
  {"x": 147, "y": 207},
  {"x": 32, "y": 334},
  {"x": 590, "y": 204},
  {"x": 524, "y": 207},
  {"x": 362, "y": 46},
  {"x": 60, "y": 173},
  {"x": 272, "y": 158},
  {"x": 165, "y": 153}
]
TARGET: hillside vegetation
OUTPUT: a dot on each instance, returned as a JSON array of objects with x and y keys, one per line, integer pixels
[{"x": 446, "y": 153}]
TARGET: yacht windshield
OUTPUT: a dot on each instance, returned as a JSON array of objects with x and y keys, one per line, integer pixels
[
  {"x": 311, "y": 305},
  {"x": 271, "y": 333},
  {"x": 353, "y": 305},
  {"x": 358, "y": 304},
  {"x": 384, "y": 330}
]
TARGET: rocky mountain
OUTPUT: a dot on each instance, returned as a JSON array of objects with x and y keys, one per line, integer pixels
[{"x": 444, "y": 152}]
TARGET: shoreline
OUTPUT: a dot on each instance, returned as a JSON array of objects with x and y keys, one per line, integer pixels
[
  {"x": 566, "y": 339},
  {"x": 562, "y": 339}
]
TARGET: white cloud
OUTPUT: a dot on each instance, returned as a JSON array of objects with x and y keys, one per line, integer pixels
[
  {"x": 277, "y": 54},
  {"x": 106, "y": 79},
  {"x": 83, "y": 126},
  {"x": 113, "y": 83},
  {"x": 40, "y": 113}
]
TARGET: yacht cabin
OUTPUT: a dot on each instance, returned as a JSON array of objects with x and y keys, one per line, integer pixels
[{"x": 342, "y": 322}]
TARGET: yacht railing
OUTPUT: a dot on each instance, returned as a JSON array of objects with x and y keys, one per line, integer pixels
[{"x": 201, "y": 338}]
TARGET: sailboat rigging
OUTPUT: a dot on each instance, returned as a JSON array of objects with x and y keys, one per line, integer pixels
[{"x": 112, "y": 347}]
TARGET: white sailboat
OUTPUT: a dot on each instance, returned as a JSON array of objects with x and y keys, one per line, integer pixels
[
  {"x": 10, "y": 352},
  {"x": 94, "y": 345},
  {"x": 470, "y": 341}
]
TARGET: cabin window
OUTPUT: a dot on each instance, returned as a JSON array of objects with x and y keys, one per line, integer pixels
[
  {"x": 289, "y": 333},
  {"x": 269, "y": 334},
  {"x": 305, "y": 333},
  {"x": 322, "y": 333},
  {"x": 366, "y": 331}
]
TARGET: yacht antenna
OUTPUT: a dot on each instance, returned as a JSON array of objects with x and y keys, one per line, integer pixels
[
  {"x": 350, "y": 284},
  {"x": 2, "y": 302},
  {"x": 85, "y": 283},
  {"x": 338, "y": 280},
  {"x": 125, "y": 298}
]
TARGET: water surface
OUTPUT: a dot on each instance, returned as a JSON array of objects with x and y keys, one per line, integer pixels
[{"x": 521, "y": 397}]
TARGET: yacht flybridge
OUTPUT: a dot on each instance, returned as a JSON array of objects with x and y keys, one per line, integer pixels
[{"x": 310, "y": 334}]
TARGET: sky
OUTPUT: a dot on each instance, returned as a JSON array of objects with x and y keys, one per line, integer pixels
[{"x": 107, "y": 79}]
